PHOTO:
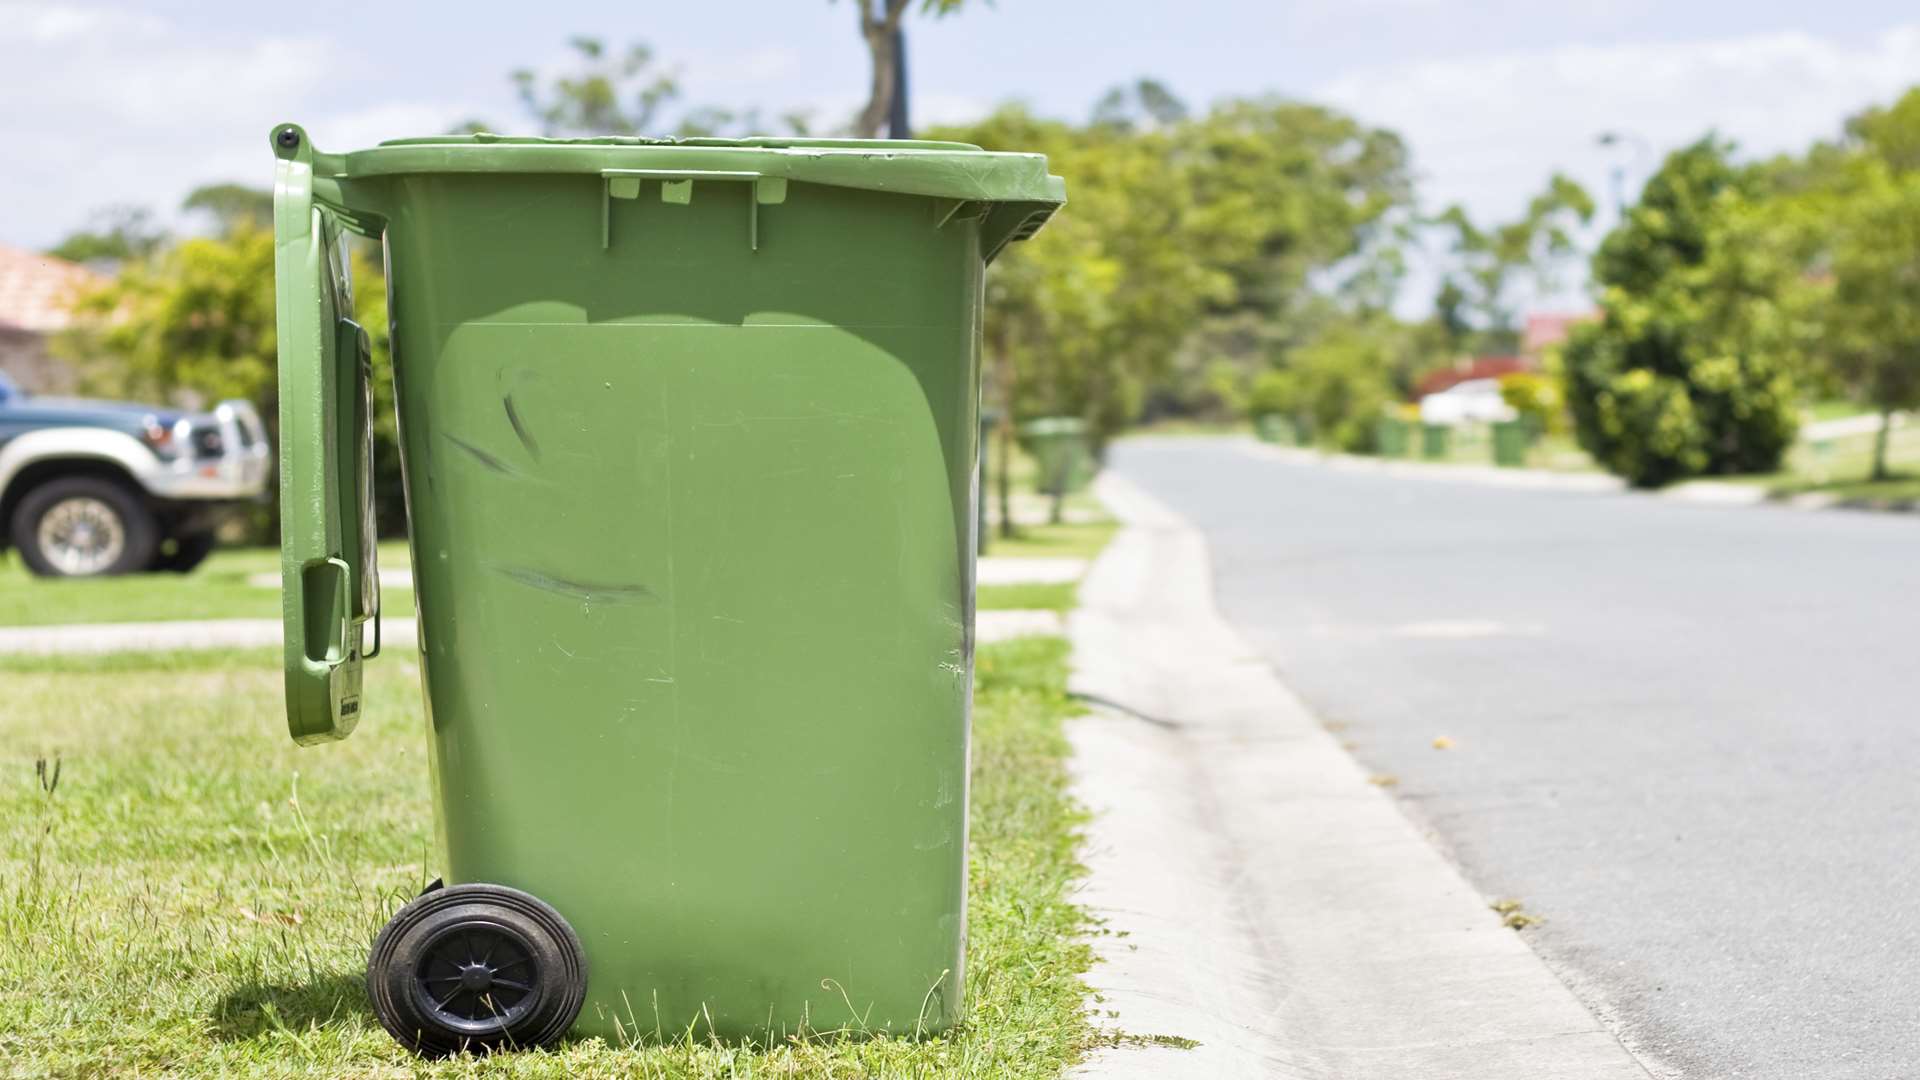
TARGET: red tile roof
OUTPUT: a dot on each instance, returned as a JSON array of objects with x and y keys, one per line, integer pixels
[
  {"x": 1545, "y": 331},
  {"x": 1485, "y": 367},
  {"x": 36, "y": 290}
]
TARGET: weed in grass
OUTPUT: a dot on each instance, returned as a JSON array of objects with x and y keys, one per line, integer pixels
[{"x": 1514, "y": 915}]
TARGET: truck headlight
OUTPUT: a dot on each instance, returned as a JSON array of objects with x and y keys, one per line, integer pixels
[{"x": 160, "y": 438}]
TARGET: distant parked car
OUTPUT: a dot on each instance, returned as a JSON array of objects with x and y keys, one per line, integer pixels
[
  {"x": 1473, "y": 401},
  {"x": 107, "y": 487}
]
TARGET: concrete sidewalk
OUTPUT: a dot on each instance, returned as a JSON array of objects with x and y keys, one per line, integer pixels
[{"x": 1264, "y": 898}]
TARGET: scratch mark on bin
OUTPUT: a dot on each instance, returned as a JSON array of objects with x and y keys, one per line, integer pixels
[
  {"x": 520, "y": 428},
  {"x": 606, "y": 592},
  {"x": 481, "y": 456}
]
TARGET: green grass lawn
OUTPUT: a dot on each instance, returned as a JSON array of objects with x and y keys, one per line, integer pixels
[
  {"x": 219, "y": 589},
  {"x": 1840, "y": 467},
  {"x": 1066, "y": 541},
  {"x": 1026, "y": 597},
  {"x": 196, "y": 895}
]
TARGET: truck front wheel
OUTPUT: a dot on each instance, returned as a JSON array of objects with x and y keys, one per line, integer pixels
[{"x": 83, "y": 526}]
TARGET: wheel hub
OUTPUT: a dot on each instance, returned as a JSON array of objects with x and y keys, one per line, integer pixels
[
  {"x": 81, "y": 535},
  {"x": 477, "y": 977}
]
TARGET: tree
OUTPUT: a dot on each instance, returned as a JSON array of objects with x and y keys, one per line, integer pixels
[
  {"x": 232, "y": 206},
  {"x": 1303, "y": 208},
  {"x": 196, "y": 320},
  {"x": 1872, "y": 316},
  {"x": 1693, "y": 368},
  {"x": 880, "y": 31},
  {"x": 626, "y": 94},
  {"x": 1146, "y": 103},
  {"x": 1891, "y": 133},
  {"x": 1338, "y": 384},
  {"x": 609, "y": 95},
  {"x": 115, "y": 235},
  {"x": 1489, "y": 262},
  {"x": 1080, "y": 319},
  {"x": 1286, "y": 191}
]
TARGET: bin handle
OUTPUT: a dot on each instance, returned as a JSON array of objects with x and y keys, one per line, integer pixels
[
  {"x": 329, "y": 579},
  {"x": 676, "y": 186}
]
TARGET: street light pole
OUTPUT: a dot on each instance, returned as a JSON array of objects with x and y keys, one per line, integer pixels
[{"x": 1618, "y": 175}]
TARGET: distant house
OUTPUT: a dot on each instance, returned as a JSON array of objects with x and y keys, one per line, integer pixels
[
  {"x": 1543, "y": 332},
  {"x": 36, "y": 295},
  {"x": 1485, "y": 367}
]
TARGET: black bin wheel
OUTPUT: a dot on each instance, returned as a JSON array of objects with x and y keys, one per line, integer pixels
[{"x": 476, "y": 967}]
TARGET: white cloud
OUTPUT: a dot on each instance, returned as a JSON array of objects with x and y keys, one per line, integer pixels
[
  {"x": 123, "y": 107},
  {"x": 42, "y": 22},
  {"x": 1486, "y": 131}
]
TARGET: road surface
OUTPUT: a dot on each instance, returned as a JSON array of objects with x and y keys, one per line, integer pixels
[{"x": 1686, "y": 736}]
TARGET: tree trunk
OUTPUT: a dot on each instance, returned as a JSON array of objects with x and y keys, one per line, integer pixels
[
  {"x": 878, "y": 33},
  {"x": 1004, "y": 478},
  {"x": 998, "y": 349},
  {"x": 1880, "y": 443}
]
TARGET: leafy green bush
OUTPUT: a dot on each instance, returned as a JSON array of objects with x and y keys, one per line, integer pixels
[
  {"x": 1692, "y": 368},
  {"x": 1339, "y": 384},
  {"x": 1537, "y": 398},
  {"x": 195, "y": 320}
]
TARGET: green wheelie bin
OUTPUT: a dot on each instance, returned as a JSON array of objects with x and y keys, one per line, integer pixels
[
  {"x": 1510, "y": 441},
  {"x": 1390, "y": 437},
  {"x": 1436, "y": 441},
  {"x": 1059, "y": 446},
  {"x": 688, "y": 433}
]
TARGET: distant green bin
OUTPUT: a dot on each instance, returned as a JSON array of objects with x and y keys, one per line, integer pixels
[
  {"x": 689, "y": 435},
  {"x": 1436, "y": 441},
  {"x": 1060, "y": 447},
  {"x": 1510, "y": 441},
  {"x": 1273, "y": 428},
  {"x": 989, "y": 424},
  {"x": 1390, "y": 437}
]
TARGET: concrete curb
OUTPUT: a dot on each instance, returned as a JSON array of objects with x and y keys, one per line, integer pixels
[
  {"x": 1709, "y": 492},
  {"x": 1275, "y": 906}
]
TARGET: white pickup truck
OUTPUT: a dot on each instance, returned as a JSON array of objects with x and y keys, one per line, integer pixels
[{"x": 107, "y": 487}]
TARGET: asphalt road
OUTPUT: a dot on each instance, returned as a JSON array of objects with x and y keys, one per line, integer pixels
[{"x": 1687, "y": 736}]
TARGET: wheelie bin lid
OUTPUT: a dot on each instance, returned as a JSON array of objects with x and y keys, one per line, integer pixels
[
  {"x": 950, "y": 170},
  {"x": 1013, "y": 190}
]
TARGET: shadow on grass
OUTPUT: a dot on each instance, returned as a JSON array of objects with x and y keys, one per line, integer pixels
[{"x": 256, "y": 1010}]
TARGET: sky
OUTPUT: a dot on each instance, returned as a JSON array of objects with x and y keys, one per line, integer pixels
[{"x": 138, "y": 103}]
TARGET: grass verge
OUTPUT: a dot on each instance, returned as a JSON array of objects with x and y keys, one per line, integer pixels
[
  {"x": 1027, "y": 597},
  {"x": 184, "y": 892},
  {"x": 220, "y": 588},
  {"x": 1071, "y": 540}
]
